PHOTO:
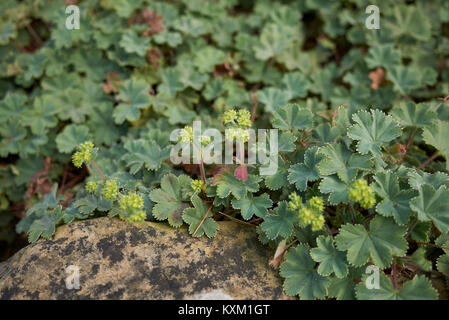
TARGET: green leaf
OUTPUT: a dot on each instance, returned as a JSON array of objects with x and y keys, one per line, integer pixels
[
  {"x": 410, "y": 114},
  {"x": 272, "y": 98},
  {"x": 437, "y": 136},
  {"x": 279, "y": 178},
  {"x": 419, "y": 258},
  {"x": 227, "y": 183},
  {"x": 11, "y": 106},
  {"x": 431, "y": 205},
  {"x": 42, "y": 115},
  {"x": 337, "y": 189},
  {"x": 373, "y": 130},
  {"x": 301, "y": 173},
  {"x": 141, "y": 153},
  {"x": 12, "y": 136},
  {"x": 253, "y": 205},
  {"x": 396, "y": 202},
  {"x": 405, "y": 79},
  {"x": 383, "y": 55},
  {"x": 300, "y": 275},
  {"x": 443, "y": 264},
  {"x": 417, "y": 178},
  {"x": 338, "y": 159},
  {"x": 419, "y": 288},
  {"x": 274, "y": 39},
  {"x": 383, "y": 240},
  {"x": 207, "y": 58},
  {"x": 331, "y": 260},
  {"x": 344, "y": 288},
  {"x": 296, "y": 85},
  {"x": 292, "y": 116},
  {"x": 169, "y": 199},
  {"x": 71, "y": 137},
  {"x": 7, "y": 31},
  {"x": 171, "y": 83},
  {"x": 194, "y": 217},
  {"x": 134, "y": 95},
  {"x": 45, "y": 226},
  {"x": 411, "y": 21},
  {"x": 279, "y": 222},
  {"x": 132, "y": 43}
]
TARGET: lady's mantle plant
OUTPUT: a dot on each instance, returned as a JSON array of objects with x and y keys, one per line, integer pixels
[{"x": 361, "y": 183}]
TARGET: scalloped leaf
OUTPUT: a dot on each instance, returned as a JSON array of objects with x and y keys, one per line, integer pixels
[
  {"x": 194, "y": 217},
  {"x": 253, "y": 205},
  {"x": 396, "y": 202},
  {"x": 330, "y": 259},
  {"x": 300, "y": 275},
  {"x": 301, "y": 173},
  {"x": 169, "y": 199},
  {"x": 373, "y": 130},
  {"x": 383, "y": 241},
  {"x": 419, "y": 288},
  {"x": 279, "y": 222}
]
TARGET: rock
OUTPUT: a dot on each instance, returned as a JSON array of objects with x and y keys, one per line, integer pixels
[{"x": 122, "y": 260}]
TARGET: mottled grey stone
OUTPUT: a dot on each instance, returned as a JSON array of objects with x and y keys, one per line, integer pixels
[{"x": 122, "y": 260}]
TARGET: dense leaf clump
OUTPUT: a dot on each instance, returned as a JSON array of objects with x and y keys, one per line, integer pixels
[{"x": 87, "y": 120}]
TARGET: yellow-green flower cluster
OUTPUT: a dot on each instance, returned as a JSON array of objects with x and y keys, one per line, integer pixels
[
  {"x": 205, "y": 140},
  {"x": 197, "y": 185},
  {"x": 295, "y": 202},
  {"x": 240, "y": 122},
  {"x": 91, "y": 186},
  {"x": 310, "y": 214},
  {"x": 237, "y": 133},
  {"x": 229, "y": 116},
  {"x": 132, "y": 203},
  {"x": 186, "y": 135},
  {"x": 362, "y": 193},
  {"x": 110, "y": 190},
  {"x": 244, "y": 118},
  {"x": 83, "y": 155}
]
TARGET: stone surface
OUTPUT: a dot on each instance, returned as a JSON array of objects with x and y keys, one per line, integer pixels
[{"x": 121, "y": 260}]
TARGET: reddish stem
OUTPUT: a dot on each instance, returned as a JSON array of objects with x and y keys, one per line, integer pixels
[{"x": 425, "y": 163}]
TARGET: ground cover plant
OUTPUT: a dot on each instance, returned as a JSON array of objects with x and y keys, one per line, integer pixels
[{"x": 361, "y": 186}]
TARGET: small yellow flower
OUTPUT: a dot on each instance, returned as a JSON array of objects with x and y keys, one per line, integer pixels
[
  {"x": 186, "y": 135},
  {"x": 316, "y": 204},
  {"x": 229, "y": 116},
  {"x": 110, "y": 190},
  {"x": 132, "y": 204},
  {"x": 197, "y": 185},
  {"x": 318, "y": 222},
  {"x": 362, "y": 193},
  {"x": 83, "y": 155},
  {"x": 205, "y": 140},
  {"x": 91, "y": 186},
  {"x": 295, "y": 202},
  {"x": 244, "y": 118}
]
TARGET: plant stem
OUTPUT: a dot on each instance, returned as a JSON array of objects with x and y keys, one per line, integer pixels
[
  {"x": 34, "y": 34},
  {"x": 422, "y": 165},
  {"x": 201, "y": 165},
  {"x": 98, "y": 169},
  {"x": 352, "y": 212},
  {"x": 238, "y": 220},
  {"x": 202, "y": 220},
  {"x": 445, "y": 99},
  {"x": 432, "y": 245},
  {"x": 203, "y": 171},
  {"x": 410, "y": 229},
  {"x": 393, "y": 275}
]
